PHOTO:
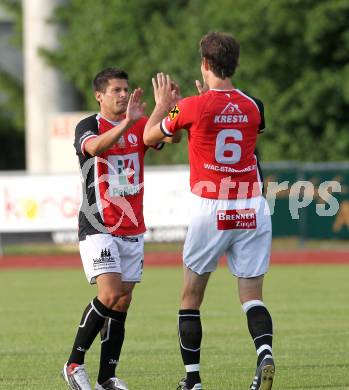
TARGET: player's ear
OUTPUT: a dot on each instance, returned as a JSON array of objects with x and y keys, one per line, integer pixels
[
  {"x": 205, "y": 64},
  {"x": 98, "y": 96}
]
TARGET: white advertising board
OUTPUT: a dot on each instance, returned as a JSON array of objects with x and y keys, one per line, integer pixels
[
  {"x": 35, "y": 203},
  {"x": 62, "y": 155},
  {"x": 39, "y": 203}
]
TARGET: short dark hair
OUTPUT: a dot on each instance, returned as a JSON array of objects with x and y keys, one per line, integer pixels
[
  {"x": 221, "y": 50},
  {"x": 101, "y": 80}
]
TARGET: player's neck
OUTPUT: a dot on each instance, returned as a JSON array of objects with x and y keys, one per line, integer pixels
[
  {"x": 220, "y": 84},
  {"x": 111, "y": 116}
]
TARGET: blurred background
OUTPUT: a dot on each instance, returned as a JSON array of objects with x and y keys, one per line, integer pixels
[{"x": 294, "y": 57}]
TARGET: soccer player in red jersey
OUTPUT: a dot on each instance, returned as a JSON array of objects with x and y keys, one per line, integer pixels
[
  {"x": 111, "y": 152},
  {"x": 229, "y": 215}
]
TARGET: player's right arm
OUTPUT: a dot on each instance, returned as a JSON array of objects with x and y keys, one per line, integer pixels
[
  {"x": 165, "y": 97},
  {"x": 99, "y": 144},
  {"x": 94, "y": 146}
]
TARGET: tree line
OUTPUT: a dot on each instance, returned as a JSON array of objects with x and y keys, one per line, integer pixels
[{"x": 294, "y": 57}]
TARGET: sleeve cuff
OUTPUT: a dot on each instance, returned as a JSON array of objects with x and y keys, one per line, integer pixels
[
  {"x": 84, "y": 143},
  {"x": 164, "y": 129}
]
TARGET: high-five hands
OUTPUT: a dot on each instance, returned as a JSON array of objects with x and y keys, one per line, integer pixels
[
  {"x": 201, "y": 88},
  {"x": 176, "y": 93},
  {"x": 135, "y": 108},
  {"x": 166, "y": 91}
]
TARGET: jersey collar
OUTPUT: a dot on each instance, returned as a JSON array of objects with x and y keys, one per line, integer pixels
[
  {"x": 222, "y": 90},
  {"x": 114, "y": 123}
]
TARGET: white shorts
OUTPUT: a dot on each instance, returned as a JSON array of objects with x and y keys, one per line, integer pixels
[
  {"x": 217, "y": 228},
  {"x": 104, "y": 253}
]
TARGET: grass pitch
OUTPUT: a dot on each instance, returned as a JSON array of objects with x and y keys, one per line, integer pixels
[
  {"x": 284, "y": 243},
  {"x": 40, "y": 310}
]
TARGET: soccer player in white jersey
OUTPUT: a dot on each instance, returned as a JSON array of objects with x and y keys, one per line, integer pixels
[{"x": 229, "y": 215}]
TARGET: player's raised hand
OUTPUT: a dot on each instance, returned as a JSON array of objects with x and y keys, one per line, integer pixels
[
  {"x": 162, "y": 85},
  {"x": 176, "y": 93},
  {"x": 201, "y": 88},
  {"x": 135, "y": 108}
]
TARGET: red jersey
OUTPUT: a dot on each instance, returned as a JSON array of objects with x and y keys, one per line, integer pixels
[
  {"x": 113, "y": 181},
  {"x": 222, "y": 131}
]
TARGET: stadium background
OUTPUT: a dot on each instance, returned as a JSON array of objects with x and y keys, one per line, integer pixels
[{"x": 294, "y": 57}]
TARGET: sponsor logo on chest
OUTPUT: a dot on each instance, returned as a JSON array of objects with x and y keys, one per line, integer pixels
[
  {"x": 132, "y": 141},
  {"x": 121, "y": 142},
  {"x": 124, "y": 174}
]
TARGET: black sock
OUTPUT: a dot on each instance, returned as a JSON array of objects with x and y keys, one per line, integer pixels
[
  {"x": 260, "y": 326},
  {"x": 112, "y": 338},
  {"x": 91, "y": 323},
  {"x": 190, "y": 335}
]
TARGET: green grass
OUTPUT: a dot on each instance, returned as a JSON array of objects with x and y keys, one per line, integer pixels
[
  {"x": 64, "y": 249},
  {"x": 288, "y": 243},
  {"x": 40, "y": 309}
]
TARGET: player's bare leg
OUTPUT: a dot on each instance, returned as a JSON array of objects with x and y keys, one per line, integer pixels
[
  {"x": 261, "y": 329},
  {"x": 109, "y": 287},
  {"x": 193, "y": 289},
  {"x": 124, "y": 302},
  {"x": 250, "y": 289},
  {"x": 189, "y": 327}
]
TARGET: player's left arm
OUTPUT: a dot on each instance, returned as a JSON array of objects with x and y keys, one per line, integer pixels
[
  {"x": 166, "y": 92},
  {"x": 175, "y": 139}
]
